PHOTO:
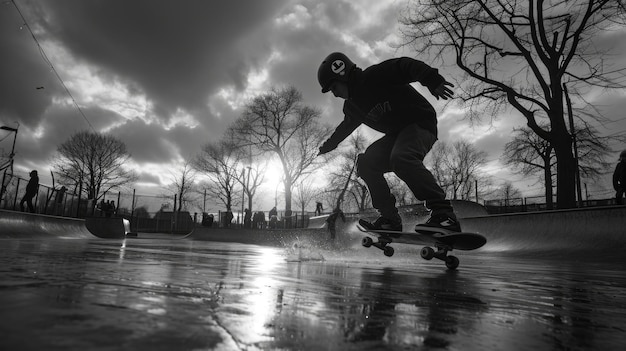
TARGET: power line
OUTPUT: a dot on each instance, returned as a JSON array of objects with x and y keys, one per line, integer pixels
[{"x": 45, "y": 58}]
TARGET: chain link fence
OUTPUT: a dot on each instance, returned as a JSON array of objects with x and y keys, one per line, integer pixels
[
  {"x": 147, "y": 213},
  {"x": 157, "y": 213}
]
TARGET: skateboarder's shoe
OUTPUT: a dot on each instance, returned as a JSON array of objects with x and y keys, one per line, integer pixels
[
  {"x": 382, "y": 223},
  {"x": 440, "y": 223}
]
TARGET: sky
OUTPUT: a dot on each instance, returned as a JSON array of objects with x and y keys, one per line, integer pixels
[{"x": 166, "y": 77}]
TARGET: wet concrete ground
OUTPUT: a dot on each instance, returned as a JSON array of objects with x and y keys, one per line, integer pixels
[{"x": 142, "y": 294}]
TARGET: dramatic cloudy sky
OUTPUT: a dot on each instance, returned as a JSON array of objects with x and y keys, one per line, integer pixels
[{"x": 165, "y": 77}]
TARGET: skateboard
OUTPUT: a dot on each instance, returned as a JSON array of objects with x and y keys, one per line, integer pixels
[{"x": 443, "y": 242}]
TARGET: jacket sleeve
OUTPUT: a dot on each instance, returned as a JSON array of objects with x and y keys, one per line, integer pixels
[
  {"x": 405, "y": 70},
  {"x": 616, "y": 176},
  {"x": 345, "y": 128}
]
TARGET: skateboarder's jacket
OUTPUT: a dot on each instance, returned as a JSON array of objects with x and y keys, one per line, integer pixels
[{"x": 382, "y": 98}]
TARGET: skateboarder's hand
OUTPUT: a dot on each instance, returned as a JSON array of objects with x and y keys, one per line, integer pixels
[
  {"x": 326, "y": 148},
  {"x": 442, "y": 91}
]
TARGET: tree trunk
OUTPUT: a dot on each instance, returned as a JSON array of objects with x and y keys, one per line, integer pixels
[
  {"x": 288, "y": 203},
  {"x": 566, "y": 172},
  {"x": 547, "y": 176}
]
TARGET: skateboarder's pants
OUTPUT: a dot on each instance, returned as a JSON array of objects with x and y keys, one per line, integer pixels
[{"x": 402, "y": 153}]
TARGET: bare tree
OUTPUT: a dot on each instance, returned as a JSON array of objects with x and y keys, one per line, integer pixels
[
  {"x": 279, "y": 124},
  {"x": 344, "y": 177},
  {"x": 457, "y": 168},
  {"x": 404, "y": 196},
  {"x": 94, "y": 163},
  {"x": 304, "y": 194},
  {"x": 531, "y": 154},
  {"x": 251, "y": 178},
  {"x": 183, "y": 185},
  {"x": 525, "y": 54},
  {"x": 220, "y": 161},
  {"x": 508, "y": 192}
]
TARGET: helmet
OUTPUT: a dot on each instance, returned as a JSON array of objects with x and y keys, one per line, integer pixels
[{"x": 336, "y": 66}]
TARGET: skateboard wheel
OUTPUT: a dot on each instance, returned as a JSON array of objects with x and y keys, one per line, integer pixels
[
  {"x": 388, "y": 251},
  {"x": 367, "y": 241},
  {"x": 427, "y": 253},
  {"x": 452, "y": 262}
]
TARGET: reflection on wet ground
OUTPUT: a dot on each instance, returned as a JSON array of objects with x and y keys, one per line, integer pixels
[{"x": 184, "y": 295}]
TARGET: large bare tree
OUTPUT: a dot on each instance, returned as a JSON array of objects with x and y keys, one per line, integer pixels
[
  {"x": 94, "y": 163},
  {"x": 531, "y": 154},
  {"x": 524, "y": 54},
  {"x": 278, "y": 123}
]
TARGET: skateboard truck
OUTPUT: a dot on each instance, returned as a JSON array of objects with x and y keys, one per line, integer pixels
[
  {"x": 427, "y": 253},
  {"x": 382, "y": 244}
]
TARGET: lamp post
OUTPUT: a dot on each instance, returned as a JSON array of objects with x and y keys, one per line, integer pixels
[{"x": 243, "y": 193}]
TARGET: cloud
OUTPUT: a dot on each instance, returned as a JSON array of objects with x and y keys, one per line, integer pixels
[{"x": 166, "y": 77}]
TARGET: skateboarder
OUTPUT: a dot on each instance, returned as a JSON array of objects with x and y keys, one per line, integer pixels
[
  {"x": 318, "y": 208},
  {"x": 331, "y": 222},
  {"x": 382, "y": 98},
  {"x": 619, "y": 179}
]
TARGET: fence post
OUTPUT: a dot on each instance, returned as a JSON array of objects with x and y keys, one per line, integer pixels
[
  {"x": 17, "y": 189},
  {"x": 80, "y": 190},
  {"x": 132, "y": 206}
]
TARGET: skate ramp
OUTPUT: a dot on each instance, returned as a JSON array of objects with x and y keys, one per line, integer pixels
[
  {"x": 318, "y": 222},
  {"x": 21, "y": 225},
  {"x": 108, "y": 227},
  {"x": 600, "y": 230}
]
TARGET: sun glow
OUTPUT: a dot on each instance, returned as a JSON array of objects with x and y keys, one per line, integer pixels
[{"x": 273, "y": 176}]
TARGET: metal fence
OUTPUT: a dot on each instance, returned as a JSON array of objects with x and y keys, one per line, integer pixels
[
  {"x": 537, "y": 203},
  {"x": 47, "y": 200},
  {"x": 147, "y": 213},
  {"x": 155, "y": 213}
]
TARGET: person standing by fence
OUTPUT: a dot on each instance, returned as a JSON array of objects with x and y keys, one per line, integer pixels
[
  {"x": 58, "y": 201},
  {"x": 31, "y": 190},
  {"x": 619, "y": 179}
]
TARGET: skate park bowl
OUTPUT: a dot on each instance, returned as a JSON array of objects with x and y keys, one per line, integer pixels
[
  {"x": 600, "y": 230},
  {"x": 16, "y": 225},
  {"x": 597, "y": 231}
]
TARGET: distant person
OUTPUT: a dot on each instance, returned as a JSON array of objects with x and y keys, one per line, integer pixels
[
  {"x": 381, "y": 97},
  {"x": 101, "y": 207},
  {"x": 110, "y": 209},
  {"x": 619, "y": 179},
  {"x": 228, "y": 218},
  {"x": 318, "y": 208},
  {"x": 247, "y": 218},
  {"x": 331, "y": 221},
  {"x": 259, "y": 218},
  {"x": 31, "y": 190},
  {"x": 273, "y": 217},
  {"x": 58, "y": 200}
]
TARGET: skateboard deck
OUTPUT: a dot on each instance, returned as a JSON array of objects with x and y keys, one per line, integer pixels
[{"x": 443, "y": 242}]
